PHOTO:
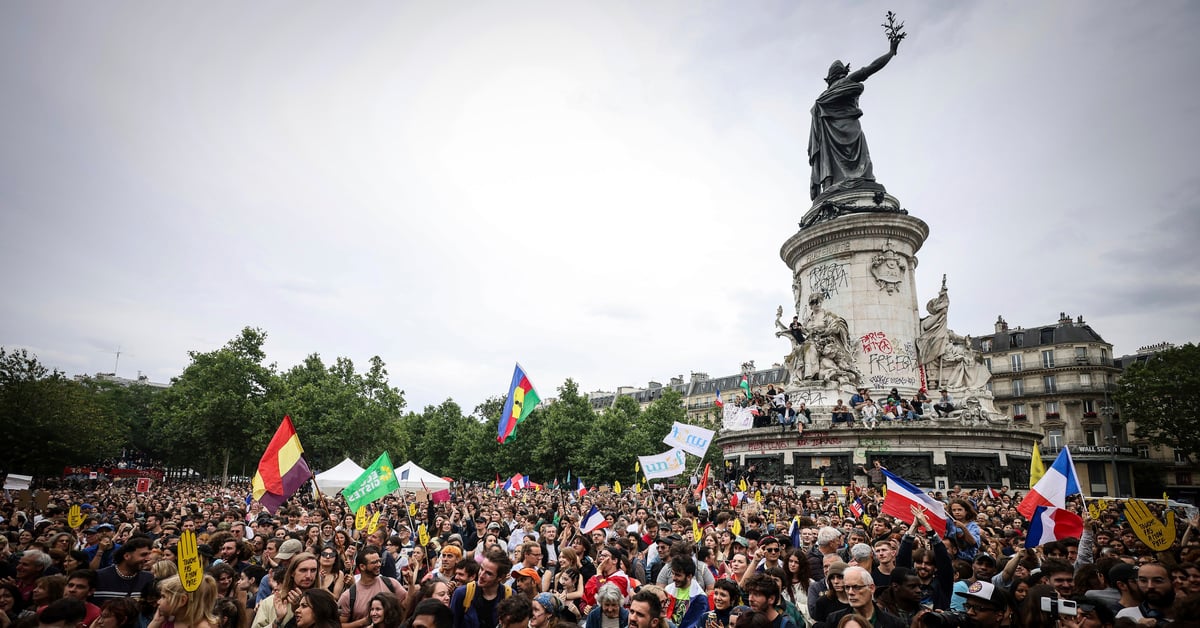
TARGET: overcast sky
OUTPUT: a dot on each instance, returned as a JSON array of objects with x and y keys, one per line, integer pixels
[{"x": 598, "y": 190}]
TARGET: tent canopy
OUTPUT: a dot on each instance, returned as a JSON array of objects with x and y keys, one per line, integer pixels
[
  {"x": 410, "y": 477},
  {"x": 339, "y": 477}
]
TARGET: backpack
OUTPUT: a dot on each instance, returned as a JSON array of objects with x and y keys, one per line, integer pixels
[
  {"x": 469, "y": 595},
  {"x": 387, "y": 582}
]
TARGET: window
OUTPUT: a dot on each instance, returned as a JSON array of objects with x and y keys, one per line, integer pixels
[
  {"x": 1050, "y": 382},
  {"x": 1054, "y": 439},
  {"x": 1143, "y": 451},
  {"x": 1179, "y": 456},
  {"x": 1018, "y": 409},
  {"x": 1047, "y": 336},
  {"x": 1051, "y": 407},
  {"x": 1016, "y": 362},
  {"x": 988, "y": 362},
  {"x": 1085, "y": 380},
  {"x": 1016, "y": 340},
  {"x": 1048, "y": 359},
  {"x": 1183, "y": 478},
  {"x": 1018, "y": 386},
  {"x": 1098, "y": 476},
  {"x": 1081, "y": 355},
  {"x": 1103, "y": 355},
  {"x": 1089, "y": 405},
  {"x": 985, "y": 344},
  {"x": 1090, "y": 438}
]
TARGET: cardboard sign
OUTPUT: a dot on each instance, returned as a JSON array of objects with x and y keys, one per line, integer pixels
[
  {"x": 24, "y": 499},
  {"x": 1157, "y": 535},
  {"x": 188, "y": 554},
  {"x": 74, "y": 517},
  {"x": 41, "y": 499},
  {"x": 143, "y": 485},
  {"x": 360, "y": 518}
]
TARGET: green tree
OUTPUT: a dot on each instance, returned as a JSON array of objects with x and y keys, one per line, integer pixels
[
  {"x": 1162, "y": 396},
  {"x": 216, "y": 409},
  {"x": 53, "y": 421},
  {"x": 559, "y": 427},
  {"x": 607, "y": 449}
]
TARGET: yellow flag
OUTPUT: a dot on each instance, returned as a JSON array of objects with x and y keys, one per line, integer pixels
[
  {"x": 637, "y": 467},
  {"x": 742, "y": 485},
  {"x": 360, "y": 518},
  {"x": 696, "y": 530},
  {"x": 1036, "y": 468},
  {"x": 736, "y": 527},
  {"x": 617, "y": 487},
  {"x": 188, "y": 555},
  {"x": 422, "y": 535}
]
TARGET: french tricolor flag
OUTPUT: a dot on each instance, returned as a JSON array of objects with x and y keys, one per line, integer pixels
[
  {"x": 1054, "y": 487},
  {"x": 1052, "y": 524},
  {"x": 580, "y": 487},
  {"x": 720, "y": 404},
  {"x": 902, "y": 497},
  {"x": 593, "y": 521}
]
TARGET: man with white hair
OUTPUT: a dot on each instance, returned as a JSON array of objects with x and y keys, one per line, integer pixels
[
  {"x": 860, "y": 593},
  {"x": 829, "y": 541}
]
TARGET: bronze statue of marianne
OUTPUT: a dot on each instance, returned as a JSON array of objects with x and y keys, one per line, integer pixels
[{"x": 837, "y": 149}]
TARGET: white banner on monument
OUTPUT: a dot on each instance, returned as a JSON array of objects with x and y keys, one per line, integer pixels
[
  {"x": 690, "y": 438},
  {"x": 737, "y": 419},
  {"x": 665, "y": 465}
]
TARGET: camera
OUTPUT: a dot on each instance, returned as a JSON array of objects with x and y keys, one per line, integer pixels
[
  {"x": 945, "y": 619},
  {"x": 1059, "y": 607}
]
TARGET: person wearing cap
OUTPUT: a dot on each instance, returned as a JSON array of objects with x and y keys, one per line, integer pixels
[
  {"x": 985, "y": 604},
  {"x": 860, "y": 594},
  {"x": 830, "y": 596},
  {"x": 526, "y": 581},
  {"x": 102, "y": 553},
  {"x": 283, "y": 557},
  {"x": 125, "y": 578}
]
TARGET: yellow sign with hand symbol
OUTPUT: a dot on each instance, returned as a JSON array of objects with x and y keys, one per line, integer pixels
[
  {"x": 74, "y": 516},
  {"x": 373, "y": 525},
  {"x": 1157, "y": 535},
  {"x": 188, "y": 553},
  {"x": 360, "y": 518}
]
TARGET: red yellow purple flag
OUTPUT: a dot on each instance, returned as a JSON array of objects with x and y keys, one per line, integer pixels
[{"x": 282, "y": 470}]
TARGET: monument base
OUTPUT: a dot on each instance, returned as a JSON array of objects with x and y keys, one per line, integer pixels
[{"x": 863, "y": 199}]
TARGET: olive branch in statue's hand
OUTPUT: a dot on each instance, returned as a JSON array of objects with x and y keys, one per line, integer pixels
[{"x": 895, "y": 32}]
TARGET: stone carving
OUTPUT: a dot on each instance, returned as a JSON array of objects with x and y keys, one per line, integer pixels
[
  {"x": 914, "y": 468},
  {"x": 837, "y": 148},
  {"x": 973, "y": 413},
  {"x": 797, "y": 290},
  {"x": 963, "y": 366},
  {"x": 974, "y": 470},
  {"x": 1018, "y": 471},
  {"x": 935, "y": 332},
  {"x": 827, "y": 353},
  {"x": 888, "y": 269}
]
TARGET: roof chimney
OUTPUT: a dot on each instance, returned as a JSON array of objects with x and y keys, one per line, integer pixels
[
  {"x": 1000, "y": 324},
  {"x": 1063, "y": 319}
]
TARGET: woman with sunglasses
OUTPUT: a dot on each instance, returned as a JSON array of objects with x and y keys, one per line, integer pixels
[{"x": 331, "y": 571}]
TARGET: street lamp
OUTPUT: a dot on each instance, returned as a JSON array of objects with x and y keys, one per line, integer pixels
[{"x": 1113, "y": 439}]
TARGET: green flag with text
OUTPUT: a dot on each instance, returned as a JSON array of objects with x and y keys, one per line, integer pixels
[{"x": 378, "y": 480}]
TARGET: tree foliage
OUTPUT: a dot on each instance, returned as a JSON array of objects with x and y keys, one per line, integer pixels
[
  {"x": 52, "y": 421},
  {"x": 1162, "y": 396}
]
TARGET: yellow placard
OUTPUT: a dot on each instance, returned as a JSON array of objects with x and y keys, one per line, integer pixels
[
  {"x": 360, "y": 518},
  {"x": 1156, "y": 534},
  {"x": 866, "y": 519},
  {"x": 696, "y": 530},
  {"x": 758, "y": 496},
  {"x": 373, "y": 525},
  {"x": 74, "y": 516},
  {"x": 736, "y": 527},
  {"x": 188, "y": 555},
  {"x": 412, "y": 510},
  {"x": 422, "y": 535},
  {"x": 617, "y": 487}
]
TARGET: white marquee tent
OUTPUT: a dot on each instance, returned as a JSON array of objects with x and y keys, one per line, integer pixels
[
  {"x": 339, "y": 477},
  {"x": 411, "y": 476}
]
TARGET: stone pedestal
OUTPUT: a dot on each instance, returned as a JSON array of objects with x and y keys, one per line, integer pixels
[{"x": 862, "y": 262}]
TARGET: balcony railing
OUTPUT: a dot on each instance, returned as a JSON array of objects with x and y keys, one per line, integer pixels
[
  {"x": 1002, "y": 366},
  {"x": 1057, "y": 389}
]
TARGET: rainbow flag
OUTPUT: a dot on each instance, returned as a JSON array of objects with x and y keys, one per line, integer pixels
[
  {"x": 282, "y": 470},
  {"x": 522, "y": 399}
]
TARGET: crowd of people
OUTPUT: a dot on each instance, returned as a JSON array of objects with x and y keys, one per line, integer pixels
[{"x": 769, "y": 557}]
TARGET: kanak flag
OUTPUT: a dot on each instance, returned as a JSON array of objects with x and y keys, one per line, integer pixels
[
  {"x": 1054, "y": 487},
  {"x": 902, "y": 497},
  {"x": 1052, "y": 524},
  {"x": 522, "y": 399}
]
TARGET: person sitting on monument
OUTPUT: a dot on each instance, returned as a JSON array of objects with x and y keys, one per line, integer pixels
[
  {"x": 842, "y": 414},
  {"x": 906, "y": 411},
  {"x": 890, "y": 411},
  {"x": 796, "y": 330},
  {"x": 787, "y": 416},
  {"x": 869, "y": 413},
  {"x": 945, "y": 405},
  {"x": 918, "y": 403},
  {"x": 858, "y": 398}
]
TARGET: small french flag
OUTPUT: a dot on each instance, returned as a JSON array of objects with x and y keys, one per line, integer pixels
[
  {"x": 593, "y": 521},
  {"x": 720, "y": 404},
  {"x": 1052, "y": 524},
  {"x": 580, "y": 487}
]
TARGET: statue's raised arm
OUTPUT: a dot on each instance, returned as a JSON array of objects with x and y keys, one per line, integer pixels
[{"x": 837, "y": 148}]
